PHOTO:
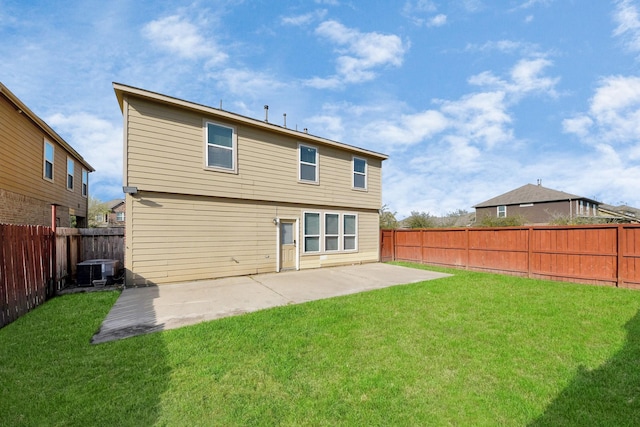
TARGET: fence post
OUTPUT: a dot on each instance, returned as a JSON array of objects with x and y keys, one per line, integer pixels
[
  {"x": 530, "y": 250},
  {"x": 466, "y": 244},
  {"x": 620, "y": 266},
  {"x": 393, "y": 239},
  {"x": 53, "y": 283}
]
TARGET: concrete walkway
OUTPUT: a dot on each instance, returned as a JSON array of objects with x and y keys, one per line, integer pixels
[{"x": 156, "y": 308}]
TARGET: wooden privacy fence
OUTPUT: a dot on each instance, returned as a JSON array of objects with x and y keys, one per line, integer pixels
[
  {"x": 26, "y": 270},
  {"x": 591, "y": 254},
  {"x": 74, "y": 245}
]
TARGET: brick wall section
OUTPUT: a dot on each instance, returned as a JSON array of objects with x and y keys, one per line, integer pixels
[
  {"x": 19, "y": 209},
  {"x": 113, "y": 216}
]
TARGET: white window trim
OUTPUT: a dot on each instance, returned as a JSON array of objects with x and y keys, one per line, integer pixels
[
  {"x": 44, "y": 162},
  {"x": 234, "y": 147},
  {"x": 300, "y": 163},
  {"x": 344, "y": 234},
  {"x": 84, "y": 189},
  {"x": 119, "y": 215},
  {"x": 325, "y": 235},
  {"x": 72, "y": 174},
  {"x": 354, "y": 173},
  {"x": 498, "y": 211}
]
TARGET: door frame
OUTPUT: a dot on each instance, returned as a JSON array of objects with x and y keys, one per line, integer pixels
[{"x": 296, "y": 232}]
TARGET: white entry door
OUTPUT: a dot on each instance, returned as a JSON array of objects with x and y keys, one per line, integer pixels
[{"x": 288, "y": 245}]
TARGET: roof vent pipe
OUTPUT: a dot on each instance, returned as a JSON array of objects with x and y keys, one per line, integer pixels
[
  {"x": 266, "y": 113},
  {"x": 285, "y": 120},
  {"x": 306, "y": 130}
]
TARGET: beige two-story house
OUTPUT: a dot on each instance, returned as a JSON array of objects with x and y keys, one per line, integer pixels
[
  {"x": 38, "y": 170},
  {"x": 210, "y": 193}
]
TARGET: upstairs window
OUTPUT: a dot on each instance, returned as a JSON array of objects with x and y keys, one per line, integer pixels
[
  {"x": 502, "y": 211},
  {"x": 359, "y": 173},
  {"x": 220, "y": 147},
  {"x": 308, "y": 157},
  {"x": 49, "y": 155},
  {"x": 120, "y": 216},
  {"x": 85, "y": 183},
  {"x": 70, "y": 168}
]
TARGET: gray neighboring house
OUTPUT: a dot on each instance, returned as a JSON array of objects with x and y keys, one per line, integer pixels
[{"x": 537, "y": 204}]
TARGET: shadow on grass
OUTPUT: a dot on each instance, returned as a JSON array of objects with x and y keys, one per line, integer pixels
[
  {"x": 52, "y": 375},
  {"x": 606, "y": 396}
]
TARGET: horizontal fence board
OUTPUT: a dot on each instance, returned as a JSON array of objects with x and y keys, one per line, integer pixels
[{"x": 593, "y": 254}]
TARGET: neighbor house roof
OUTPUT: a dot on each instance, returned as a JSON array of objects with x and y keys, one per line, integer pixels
[
  {"x": 530, "y": 193},
  {"x": 38, "y": 122},
  {"x": 111, "y": 204},
  {"x": 122, "y": 90}
]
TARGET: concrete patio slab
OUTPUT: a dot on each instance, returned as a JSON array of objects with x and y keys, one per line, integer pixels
[{"x": 157, "y": 308}]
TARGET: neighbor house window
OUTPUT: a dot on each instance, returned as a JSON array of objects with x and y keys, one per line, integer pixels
[
  {"x": 359, "y": 173},
  {"x": 311, "y": 232},
  {"x": 331, "y": 232},
  {"x": 308, "y": 169},
  {"x": 70, "y": 167},
  {"x": 120, "y": 216},
  {"x": 49, "y": 155},
  {"x": 220, "y": 147},
  {"x": 502, "y": 211},
  {"x": 85, "y": 183},
  {"x": 350, "y": 232}
]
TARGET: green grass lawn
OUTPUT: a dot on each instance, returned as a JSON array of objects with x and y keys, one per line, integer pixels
[{"x": 471, "y": 349}]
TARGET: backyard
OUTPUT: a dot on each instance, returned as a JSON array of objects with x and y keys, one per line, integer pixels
[{"x": 470, "y": 349}]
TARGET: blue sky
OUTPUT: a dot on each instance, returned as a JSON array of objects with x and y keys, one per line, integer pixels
[{"x": 469, "y": 98}]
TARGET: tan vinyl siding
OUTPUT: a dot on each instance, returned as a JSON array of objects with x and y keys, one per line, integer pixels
[
  {"x": 165, "y": 149},
  {"x": 175, "y": 238},
  {"x": 22, "y": 163}
]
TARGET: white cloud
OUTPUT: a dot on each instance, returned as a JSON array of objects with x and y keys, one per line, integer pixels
[
  {"x": 506, "y": 46},
  {"x": 579, "y": 125},
  {"x": 419, "y": 6},
  {"x": 245, "y": 81},
  {"x": 360, "y": 54},
  {"x": 405, "y": 130},
  {"x": 627, "y": 17},
  {"x": 416, "y": 11},
  {"x": 332, "y": 126},
  {"x": 305, "y": 19},
  {"x": 178, "y": 36},
  {"x": 471, "y": 6},
  {"x": 437, "y": 21},
  {"x": 525, "y": 77},
  {"x": 481, "y": 118},
  {"x": 614, "y": 113},
  {"x": 531, "y": 3}
]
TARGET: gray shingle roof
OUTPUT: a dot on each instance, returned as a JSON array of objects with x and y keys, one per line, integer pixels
[{"x": 530, "y": 193}]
